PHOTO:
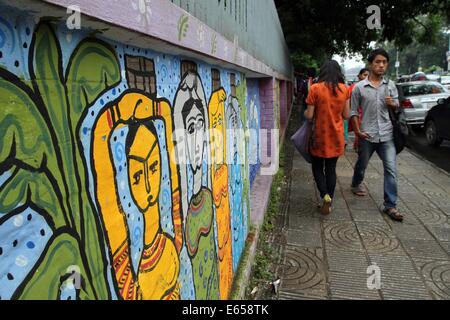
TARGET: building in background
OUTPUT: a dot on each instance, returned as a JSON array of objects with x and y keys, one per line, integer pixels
[{"x": 114, "y": 181}]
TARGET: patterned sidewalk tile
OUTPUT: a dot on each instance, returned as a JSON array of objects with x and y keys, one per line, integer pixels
[
  {"x": 424, "y": 249},
  {"x": 351, "y": 286},
  {"x": 334, "y": 256}
]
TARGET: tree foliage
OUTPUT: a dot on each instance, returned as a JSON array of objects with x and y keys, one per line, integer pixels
[
  {"x": 315, "y": 29},
  {"x": 415, "y": 55}
]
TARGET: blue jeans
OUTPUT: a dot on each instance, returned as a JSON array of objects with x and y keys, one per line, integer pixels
[{"x": 387, "y": 153}]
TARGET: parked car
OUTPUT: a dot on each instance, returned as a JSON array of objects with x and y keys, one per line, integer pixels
[
  {"x": 418, "y": 76},
  {"x": 437, "y": 123},
  {"x": 404, "y": 78},
  {"x": 433, "y": 77},
  {"x": 445, "y": 81},
  {"x": 417, "y": 97}
]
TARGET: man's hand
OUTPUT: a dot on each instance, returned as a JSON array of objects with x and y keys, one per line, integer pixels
[
  {"x": 363, "y": 135},
  {"x": 390, "y": 103}
]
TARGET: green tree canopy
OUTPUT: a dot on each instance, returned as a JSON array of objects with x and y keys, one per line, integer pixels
[{"x": 315, "y": 29}]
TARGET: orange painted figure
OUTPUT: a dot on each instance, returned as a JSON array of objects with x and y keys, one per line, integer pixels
[
  {"x": 219, "y": 177},
  {"x": 156, "y": 276}
]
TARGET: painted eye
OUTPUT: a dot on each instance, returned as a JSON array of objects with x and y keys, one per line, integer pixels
[
  {"x": 153, "y": 167},
  {"x": 191, "y": 129},
  {"x": 137, "y": 177}
]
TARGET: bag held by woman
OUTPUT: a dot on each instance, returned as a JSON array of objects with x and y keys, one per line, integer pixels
[{"x": 302, "y": 140}]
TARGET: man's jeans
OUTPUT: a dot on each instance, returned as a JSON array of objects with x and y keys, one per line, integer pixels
[{"x": 387, "y": 153}]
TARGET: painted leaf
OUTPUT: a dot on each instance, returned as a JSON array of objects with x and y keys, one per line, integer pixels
[
  {"x": 93, "y": 68},
  {"x": 22, "y": 126},
  {"x": 24, "y": 186},
  {"x": 46, "y": 71},
  {"x": 60, "y": 257}
]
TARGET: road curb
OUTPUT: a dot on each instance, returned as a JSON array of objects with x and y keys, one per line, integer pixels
[{"x": 418, "y": 156}]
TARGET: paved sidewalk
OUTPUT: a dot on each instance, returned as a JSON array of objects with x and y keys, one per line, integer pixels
[{"x": 326, "y": 257}]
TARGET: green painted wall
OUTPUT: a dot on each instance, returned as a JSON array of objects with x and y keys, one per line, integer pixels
[{"x": 254, "y": 22}]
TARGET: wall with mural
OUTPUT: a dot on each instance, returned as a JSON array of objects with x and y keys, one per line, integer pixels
[
  {"x": 115, "y": 182},
  {"x": 254, "y": 109}
]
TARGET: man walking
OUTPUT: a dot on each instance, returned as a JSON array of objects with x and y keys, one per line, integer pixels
[{"x": 374, "y": 96}]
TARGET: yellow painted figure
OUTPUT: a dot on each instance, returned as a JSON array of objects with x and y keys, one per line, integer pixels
[
  {"x": 157, "y": 274},
  {"x": 219, "y": 177}
]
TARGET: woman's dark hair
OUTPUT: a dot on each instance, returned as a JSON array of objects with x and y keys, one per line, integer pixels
[
  {"x": 377, "y": 52},
  {"x": 133, "y": 127},
  {"x": 363, "y": 70},
  {"x": 311, "y": 73},
  {"x": 332, "y": 75}
]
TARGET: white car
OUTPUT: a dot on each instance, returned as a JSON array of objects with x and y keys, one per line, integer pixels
[
  {"x": 433, "y": 77},
  {"x": 445, "y": 81},
  {"x": 417, "y": 97}
]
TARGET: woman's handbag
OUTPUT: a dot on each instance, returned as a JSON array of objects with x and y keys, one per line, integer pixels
[{"x": 302, "y": 139}]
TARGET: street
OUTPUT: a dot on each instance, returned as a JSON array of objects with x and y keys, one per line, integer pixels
[{"x": 440, "y": 156}]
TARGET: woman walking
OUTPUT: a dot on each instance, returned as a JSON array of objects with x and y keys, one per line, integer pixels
[{"x": 328, "y": 106}]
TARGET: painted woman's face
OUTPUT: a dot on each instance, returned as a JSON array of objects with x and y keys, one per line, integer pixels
[
  {"x": 217, "y": 123},
  {"x": 195, "y": 129},
  {"x": 233, "y": 121},
  {"x": 144, "y": 168}
]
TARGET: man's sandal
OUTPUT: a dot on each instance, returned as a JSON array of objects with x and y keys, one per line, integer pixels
[
  {"x": 359, "y": 191},
  {"x": 393, "y": 214}
]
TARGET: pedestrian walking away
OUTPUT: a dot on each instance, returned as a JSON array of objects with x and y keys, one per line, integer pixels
[
  {"x": 374, "y": 96},
  {"x": 327, "y": 106}
]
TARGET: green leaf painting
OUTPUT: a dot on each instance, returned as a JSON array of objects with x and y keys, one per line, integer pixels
[
  {"x": 40, "y": 154},
  {"x": 182, "y": 27}
]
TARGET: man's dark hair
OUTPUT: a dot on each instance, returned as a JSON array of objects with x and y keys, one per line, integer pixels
[
  {"x": 377, "y": 52},
  {"x": 362, "y": 71}
]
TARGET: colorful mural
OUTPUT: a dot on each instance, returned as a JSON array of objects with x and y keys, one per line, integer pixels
[
  {"x": 136, "y": 132},
  {"x": 219, "y": 177},
  {"x": 238, "y": 187},
  {"x": 124, "y": 173},
  {"x": 253, "y": 103}
]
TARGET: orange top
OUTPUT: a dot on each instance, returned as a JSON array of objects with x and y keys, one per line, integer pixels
[{"x": 329, "y": 125}]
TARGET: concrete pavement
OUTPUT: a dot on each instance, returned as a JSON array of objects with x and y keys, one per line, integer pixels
[{"x": 327, "y": 257}]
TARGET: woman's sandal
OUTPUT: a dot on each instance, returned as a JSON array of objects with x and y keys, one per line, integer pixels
[{"x": 393, "y": 214}]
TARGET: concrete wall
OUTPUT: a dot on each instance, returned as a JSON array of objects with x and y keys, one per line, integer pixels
[
  {"x": 254, "y": 24},
  {"x": 125, "y": 171},
  {"x": 89, "y": 131}
]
